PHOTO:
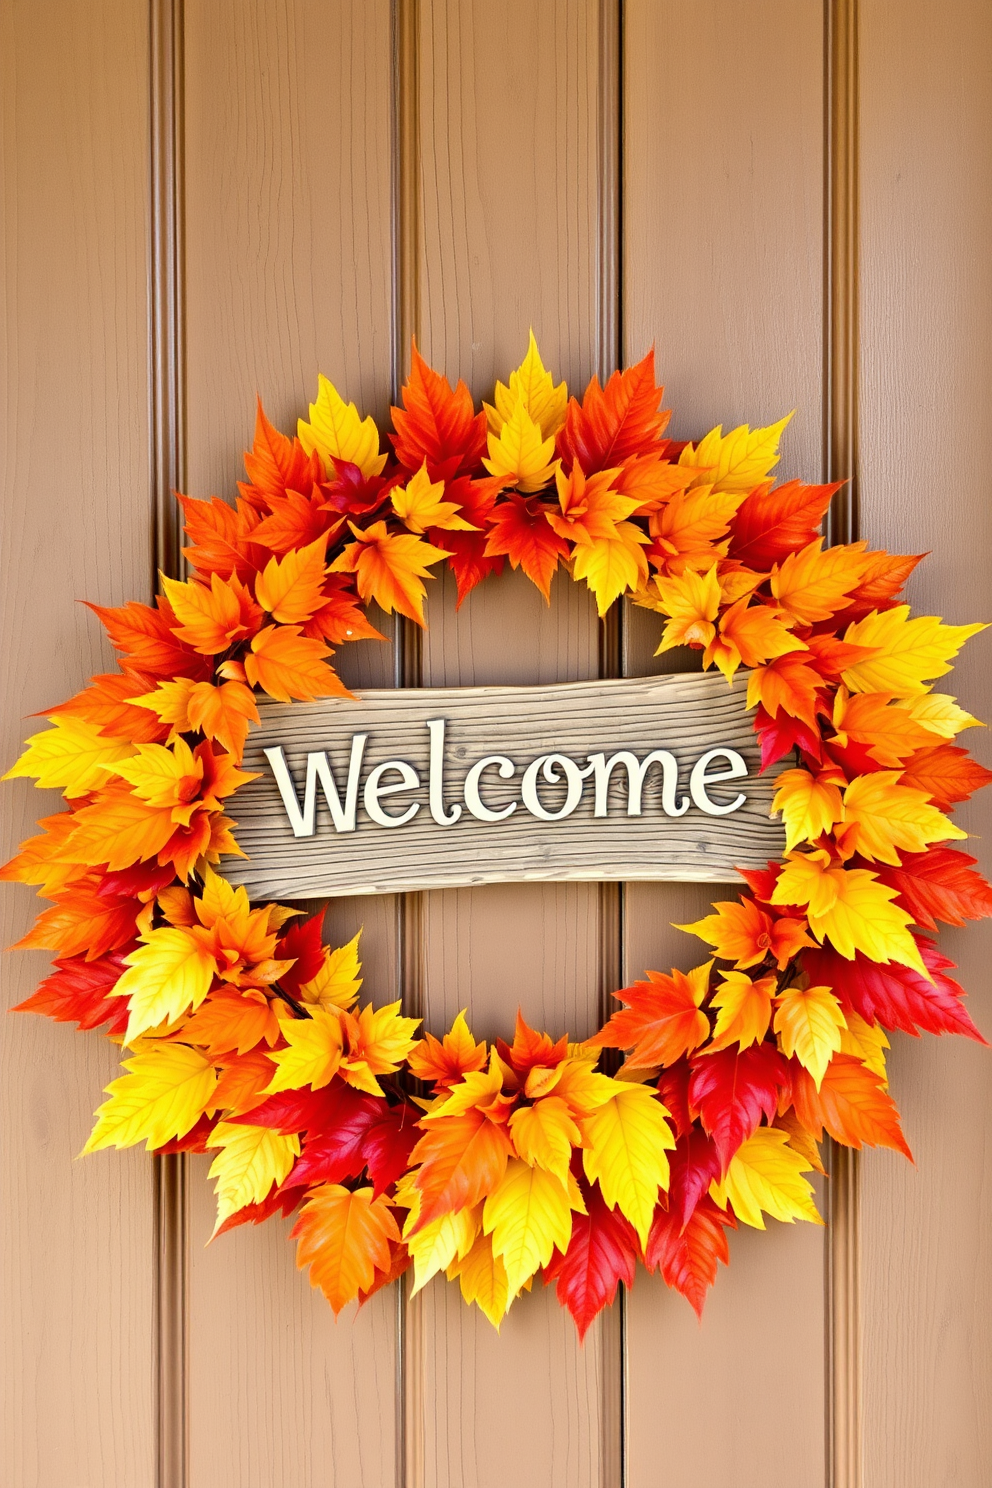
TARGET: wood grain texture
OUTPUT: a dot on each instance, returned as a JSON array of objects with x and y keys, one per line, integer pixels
[
  {"x": 570, "y": 724},
  {"x": 722, "y": 270},
  {"x": 289, "y": 265},
  {"x": 509, "y": 100},
  {"x": 926, "y": 361},
  {"x": 77, "y": 1239}
]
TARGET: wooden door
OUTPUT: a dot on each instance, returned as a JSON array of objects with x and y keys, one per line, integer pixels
[{"x": 207, "y": 199}]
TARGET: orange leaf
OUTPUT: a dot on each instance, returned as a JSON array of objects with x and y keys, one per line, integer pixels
[
  {"x": 289, "y": 665},
  {"x": 276, "y": 464},
  {"x": 615, "y": 422},
  {"x": 462, "y": 1159},
  {"x": 521, "y": 529},
  {"x": 344, "y": 1238},
  {"x": 291, "y": 588},
  {"x": 221, "y": 536},
  {"x": 213, "y": 616},
  {"x": 223, "y": 713},
  {"x": 771, "y": 524},
  {"x": 233, "y": 1021},
  {"x": 947, "y": 773},
  {"x": 851, "y": 1103},
  {"x": 148, "y": 641},
  {"x": 439, "y": 425},
  {"x": 662, "y": 1020},
  {"x": 106, "y": 703},
  {"x": 389, "y": 567}
]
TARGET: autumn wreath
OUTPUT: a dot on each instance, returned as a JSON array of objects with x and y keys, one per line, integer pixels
[{"x": 243, "y": 1033}]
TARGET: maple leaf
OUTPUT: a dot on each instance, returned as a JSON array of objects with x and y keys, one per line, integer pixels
[
  {"x": 742, "y": 932},
  {"x": 147, "y": 640},
  {"x": 222, "y": 536},
  {"x": 520, "y": 529},
  {"x": 276, "y": 464},
  {"x": 482, "y": 1278},
  {"x": 692, "y": 600},
  {"x": 773, "y": 522},
  {"x": 169, "y": 973},
  {"x": 242, "y": 1080},
  {"x": 461, "y": 1159},
  {"x": 737, "y": 461},
  {"x": 625, "y": 1141},
  {"x": 809, "y": 1021},
  {"x": 850, "y": 907},
  {"x": 165, "y": 1092},
  {"x": 81, "y": 991},
  {"x": 544, "y": 1135},
  {"x": 889, "y": 815},
  {"x": 809, "y": 804},
  {"x": 419, "y": 505},
  {"x": 590, "y": 508},
  {"x": 337, "y": 432},
  {"x": 812, "y": 584},
  {"x": 896, "y": 996},
  {"x": 940, "y": 884},
  {"x": 213, "y": 617},
  {"x": 109, "y": 704},
  {"x": 851, "y": 1104},
  {"x": 222, "y": 712},
  {"x": 528, "y": 1216},
  {"x": 612, "y": 566},
  {"x": 336, "y": 981},
  {"x": 295, "y": 521},
  {"x": 908, "y": 652},
  {"x": 748, "y": 635},
  {"x": 344, "y": 1238},
  {"x": 72, "y": 757},
  {"x": 733, "y": 1089},
  {"x": 744, "y": 1010},
  {"x": 252, "y": 1160},
  {"x": 447, "y": 1060},
  {"x": 662, "y": 1019},
  {"x": 789, "y": 682},
  {"x": 389, "y": 568},
  {"x": 687, "y": 1254},
  {"x": 765, "y": 1174},
  {"x": 602, "y": 1251},
  {"x": 315, "y": 1046},
  {"x": 518, "y": 455},
  {"x": 615, "y": 422},
  {"x": 690, "y": 528},
  {"x": 866, "y": 718},
  {"x": 532, "y": 385},
  {"x": 230, "y": 1020},
  {"x": 287, "y": 664},
  {"x": 291, "y": 588},
  {"x": 437, "y": 424},
  {"x": 651, "y": 481},
  {"x": 778, "y": 736}
]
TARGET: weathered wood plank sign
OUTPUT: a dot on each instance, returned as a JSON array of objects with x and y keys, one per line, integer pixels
[{"x": 641, "y": 778}]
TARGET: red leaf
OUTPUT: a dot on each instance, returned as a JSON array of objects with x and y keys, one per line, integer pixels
[
  {"x": 614, "y": 422},
  {"x": 334, "y": 1149},
  {"x": 939, "y": 884},
  {"x": 673, "y": 1087},
  {"x": 946, "y": 772},
  {"x": 387, "y": 1145},
  {"x": 895, "y": 996},
  {"x": 521, "y": 530},
  {"x": 694, "y": 1164},
  {"x": 772, "y": 522},
  {"x": 733, "y": 1089},
  {"x": 78, "y": 991},
  {"x": 299, "y": 1110},
  {"x": 280, "y": 1201},
  {"x": 302, "y": 944},
  {"x": 439, "y": 425},
  {"x": 780, "y": 735},
  {"x": 687, "y": 1257},
  {"x": 354, "y": 494},
  {"x": 195, "y": 1140},
  {"x": 602, "y": 1251}
]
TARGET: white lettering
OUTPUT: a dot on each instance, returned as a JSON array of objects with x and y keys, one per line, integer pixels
[
  {"x": 436, "y": 777},
  {"x": 474, "y": 801},
  {"x": 636, "y": 772},
  {"x": 549, "y": 765},
  {"x": 318, "y": 768},
  {"x": 374, "y": 789},
  {"x": 699, "y": 780}
]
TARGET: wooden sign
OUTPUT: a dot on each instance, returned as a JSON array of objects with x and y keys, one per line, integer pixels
[{"x": 641, "y": 778}]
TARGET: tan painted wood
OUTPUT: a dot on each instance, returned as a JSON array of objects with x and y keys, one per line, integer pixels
[
  {"x": 509, "y": 198},
  {"x": 77, "y": 1239},
  {"x": 723, "y": 218},
  {"x": 579, "y": 727},
  {"x": 926, "y": 170},
  {"x": 288, "y": 272}
]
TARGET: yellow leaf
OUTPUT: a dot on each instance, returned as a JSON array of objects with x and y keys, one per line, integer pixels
[
  {"x": 809, "y": 805},
  {"x": 624, "y": 1144},
  {"x": 71, "y": 757},
  {"x": 809, "y": 1022},
  {"x": 737, "y": 461},
  {"x": 612, "y": 565},
  {"x": 337, "y": 982},
  {"x": 441, "y": 1242},
  {"x": 167, "y": 976},
  {"x": 693, "y": 601},
  {"x": 850, "y": 908},
  {"x": 744, "y": 1011},
  {"x": 891, "y": 816},
  {"x": 909, "y": 653},
  {"x": 528, "y": 1216},
  {"x": 313, "y": 1054},
  {"x": 419, "y": 505},
  {"x": 336, "y": 431},
  {"x": 544, "y": 1135},
  {"x": 813, "y": 584},
  {"x": 765, "y": 1173},
  {"x": 519, "y": 454},
  {"x": 532, "y": 384},
  {"x": 251, "y": 1160},
  {"x": 482, "y": 1277},
  {"x": 165, "y": 1093},
  {"x": 938, "y": 714},
  {"x": 866, "y": 1042}
]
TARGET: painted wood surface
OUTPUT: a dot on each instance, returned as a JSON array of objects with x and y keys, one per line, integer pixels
[{"x": 568, "y": 790}]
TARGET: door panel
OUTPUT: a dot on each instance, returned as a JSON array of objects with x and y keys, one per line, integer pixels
[{"x": 78, "y": 1278}]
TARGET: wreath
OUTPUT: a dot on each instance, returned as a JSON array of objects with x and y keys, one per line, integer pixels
[{"x": 497, "y": 1164}]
